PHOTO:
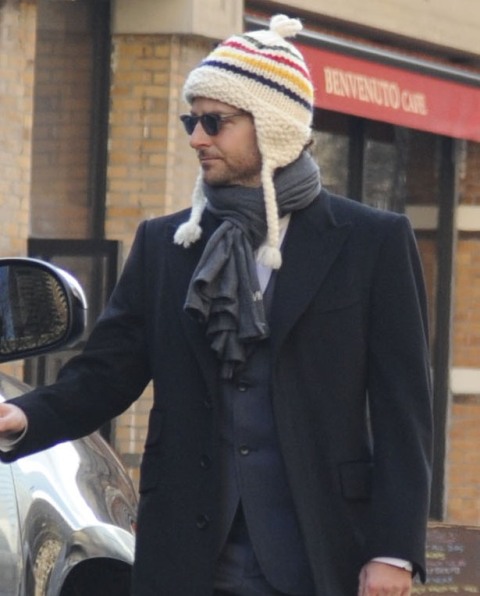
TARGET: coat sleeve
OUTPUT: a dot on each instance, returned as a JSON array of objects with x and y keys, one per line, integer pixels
[
  {"x": 104, "y": 379},
  {"x": 399, "y": 394}
]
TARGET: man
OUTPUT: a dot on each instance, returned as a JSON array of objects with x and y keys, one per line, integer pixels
[{"x": 288, "y": 449}]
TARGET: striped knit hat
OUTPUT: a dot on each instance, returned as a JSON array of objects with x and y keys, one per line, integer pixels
[{"x": 263, "y": 74}]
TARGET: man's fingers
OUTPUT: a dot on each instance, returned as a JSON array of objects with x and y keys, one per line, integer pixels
[
  {"x": 380, "y": 579},
  {"x": 12, "y": 420}
]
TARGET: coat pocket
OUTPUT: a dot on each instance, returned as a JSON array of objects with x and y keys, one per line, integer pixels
[{"x": 356, "y": 479}]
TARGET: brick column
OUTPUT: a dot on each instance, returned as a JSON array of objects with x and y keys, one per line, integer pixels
[{"x": 17, "y": 55}]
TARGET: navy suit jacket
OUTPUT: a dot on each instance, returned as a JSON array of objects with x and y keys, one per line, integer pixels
[{"x": 350, "y": 392}]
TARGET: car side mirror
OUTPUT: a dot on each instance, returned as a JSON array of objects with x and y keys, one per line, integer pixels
[{"x": 42, "y": 308}]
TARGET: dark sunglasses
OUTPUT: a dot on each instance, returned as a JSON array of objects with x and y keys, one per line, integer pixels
[{"x": 211, "y": 122}]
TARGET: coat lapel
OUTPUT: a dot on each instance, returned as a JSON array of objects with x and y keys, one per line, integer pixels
[
  {"x": 313, "y": 241},
  {"x": 182, "y": 263}
]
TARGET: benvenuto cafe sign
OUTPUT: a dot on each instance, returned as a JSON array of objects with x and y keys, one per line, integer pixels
[
  {"x": 390, "y": 94},
  {"x": 379, "y": 92}
]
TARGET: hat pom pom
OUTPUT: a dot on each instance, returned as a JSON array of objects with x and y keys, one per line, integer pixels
[
  {"x": 188, "y": 233},
  {"x": 270, "y": 256},
  {"x": 284, "y": 26}
]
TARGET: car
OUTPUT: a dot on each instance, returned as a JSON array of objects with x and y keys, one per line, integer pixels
[{"x": 67, "y": 514}]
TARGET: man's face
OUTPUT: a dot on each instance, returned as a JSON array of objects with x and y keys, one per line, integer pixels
[{"x": 230, "y": 157}]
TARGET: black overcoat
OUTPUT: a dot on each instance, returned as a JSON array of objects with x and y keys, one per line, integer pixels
[{"x": 350, "y": 390}]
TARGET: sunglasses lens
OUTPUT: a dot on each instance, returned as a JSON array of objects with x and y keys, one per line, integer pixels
[
  {"x": 189, "y": 122},
  {"x": 211, "y": 124}
]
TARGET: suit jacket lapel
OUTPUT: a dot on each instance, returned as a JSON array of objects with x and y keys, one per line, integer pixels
[{"x": 312, "y": 244}]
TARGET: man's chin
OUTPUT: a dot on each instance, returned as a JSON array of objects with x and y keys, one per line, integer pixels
[{"x": 213, "y": 179}]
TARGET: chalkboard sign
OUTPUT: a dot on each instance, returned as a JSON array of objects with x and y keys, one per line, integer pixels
[{"x": 453, "y": 561}]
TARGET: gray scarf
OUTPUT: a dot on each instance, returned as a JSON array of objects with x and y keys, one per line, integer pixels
[{"x": 224, "y": 291}]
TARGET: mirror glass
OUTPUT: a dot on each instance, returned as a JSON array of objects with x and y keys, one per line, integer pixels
[{"x": 34, "y": 309}]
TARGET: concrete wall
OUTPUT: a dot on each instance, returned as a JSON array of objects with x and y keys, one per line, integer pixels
[
  {"x": 209, "y": 18},
  {"x": 450, "y": 23}
]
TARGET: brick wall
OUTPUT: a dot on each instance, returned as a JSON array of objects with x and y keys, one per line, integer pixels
[
  {"x": 463, "y": 461},
  {"x": 466, "y": 328},
  {"x": 463, "y": 454},
  {"x": 17, "y": 52},
  {"x": 151, "y": 168},
  {"x": 469, "y": 178},
  {"x": 61, "y": 129}
]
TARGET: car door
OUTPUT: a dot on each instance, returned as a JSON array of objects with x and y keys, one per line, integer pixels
[{"x": 10, "y": 540}]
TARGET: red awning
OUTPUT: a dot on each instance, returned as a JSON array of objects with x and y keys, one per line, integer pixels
[{"x": 390, "y": 94}]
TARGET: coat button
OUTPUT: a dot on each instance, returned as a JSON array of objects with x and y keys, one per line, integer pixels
[
  {"x": 208, "y": 404},
  {"x": 242, "y": 387},
  {"x": 205, "y": 462},
  {"x": 244, "y": 450},
  {"x": 202, "y": 521}
]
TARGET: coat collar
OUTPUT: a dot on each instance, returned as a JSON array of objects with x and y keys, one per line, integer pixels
[{"x": 312, "y": 243}]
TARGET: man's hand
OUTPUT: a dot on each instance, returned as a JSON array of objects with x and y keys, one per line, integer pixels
[
  {"x": 380, "y": 579},
  {"x": 12, "y": 421}
]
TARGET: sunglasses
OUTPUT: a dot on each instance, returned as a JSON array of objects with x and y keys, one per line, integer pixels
[{"x": 211, "y": 122}]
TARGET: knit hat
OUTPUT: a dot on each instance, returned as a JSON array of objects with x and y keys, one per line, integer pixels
[{"x": 263, "y": 74}]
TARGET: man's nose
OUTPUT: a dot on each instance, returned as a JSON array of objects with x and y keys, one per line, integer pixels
[{"x": 199, "y": 137}]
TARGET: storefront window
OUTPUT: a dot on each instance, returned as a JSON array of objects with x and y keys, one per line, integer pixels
[
  {"x": 331, "y": 149},
  {"x": 400, "y": 167},
  {"x": 385, "y": 157}
]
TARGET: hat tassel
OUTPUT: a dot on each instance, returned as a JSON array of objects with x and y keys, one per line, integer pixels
[{"x": 190, "y": 231}]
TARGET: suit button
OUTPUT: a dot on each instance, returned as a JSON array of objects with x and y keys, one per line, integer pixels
[
  {"x": 208, "y": 404},
  {"x": 244, "y": 450},
  {"x": 205, "y": 462},
  {"x": 202, "y": 521},
  {"x": 242, "y": 387}
]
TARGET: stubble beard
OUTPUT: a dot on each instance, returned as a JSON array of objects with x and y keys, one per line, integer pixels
[{"x": 249, "y": 176}]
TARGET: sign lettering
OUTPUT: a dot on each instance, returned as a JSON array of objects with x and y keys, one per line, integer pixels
[{"x": 372, "y": 90}]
